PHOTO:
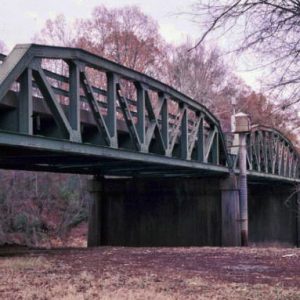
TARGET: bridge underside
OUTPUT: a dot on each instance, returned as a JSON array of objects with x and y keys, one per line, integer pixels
[
  {"x": 21, "y": 152},
  {"x": 35, "y": 153}
]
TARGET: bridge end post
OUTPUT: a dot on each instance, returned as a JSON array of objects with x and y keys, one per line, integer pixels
[
  {"x": 95, "y": 188},
  {"x": 230, "y": 208}
]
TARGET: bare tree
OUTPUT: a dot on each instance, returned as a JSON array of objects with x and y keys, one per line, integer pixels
[
  {"x": 203, "y": 75},
  {"x": 199, "y": 74},
  {"x": 268, "y": 27},
  {"x": 124, "y": 35},
  {"x": 265, "y": 112},
  {"x": 57, "y": 32}
]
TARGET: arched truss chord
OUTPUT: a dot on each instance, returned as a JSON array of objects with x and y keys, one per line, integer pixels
[
  {"x": 271, "y": 153},
  {"x": 71, "y": 94}
]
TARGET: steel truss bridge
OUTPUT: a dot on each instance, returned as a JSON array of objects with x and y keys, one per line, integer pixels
[{"x": 67, "y": 110}]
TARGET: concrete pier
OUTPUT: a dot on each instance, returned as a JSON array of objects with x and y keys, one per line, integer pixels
[
  {"x": 187, "y": 212},
  {"x": 95, "y": 188},
  {"x": 231, "y": 226}
]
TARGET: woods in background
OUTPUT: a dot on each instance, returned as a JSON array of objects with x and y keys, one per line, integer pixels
[{"x": 39, "y": 208}]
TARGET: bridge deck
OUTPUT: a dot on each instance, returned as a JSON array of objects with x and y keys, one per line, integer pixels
[{"x": 19, "y": 151}]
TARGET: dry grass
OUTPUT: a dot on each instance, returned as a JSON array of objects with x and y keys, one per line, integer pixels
[
  {"x": 65, "y": 286},
  {"x": 24, "y": 263},
  {"x": 86, "y": 286},
  {"x": 54, "y": 277}
]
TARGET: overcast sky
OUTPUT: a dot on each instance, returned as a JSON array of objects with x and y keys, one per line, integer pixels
[{"x": 21, "y": 19}]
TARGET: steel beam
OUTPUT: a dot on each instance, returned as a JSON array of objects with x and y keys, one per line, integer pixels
[
  {"x": 73, "y": 148},
  {"x": 25, "y": 103},
  {"x": 74, "y": 99}
]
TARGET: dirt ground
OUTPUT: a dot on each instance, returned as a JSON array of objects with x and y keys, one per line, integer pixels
[{"x": 150, "y": 273}]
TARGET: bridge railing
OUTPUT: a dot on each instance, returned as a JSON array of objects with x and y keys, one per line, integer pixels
[{"x": 74, "y": 95}]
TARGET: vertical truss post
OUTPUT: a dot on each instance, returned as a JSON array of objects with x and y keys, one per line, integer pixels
[
  {"x": 285, "y": 151},
  {"x": 295, "y": 166},
  {"x": 291, "y": 165},
  {"x": 283, "y": 161},
  {"x": 272, "y": 153},
  {"x": 266, "y": 152},
  {"x": 164, "y": 120},
  {"x": 201, "y": 141},
  {"x": 74, "y": 105},
  {"x": 141, "y": 113},
  {"x": 254, "y": 150},
  {"x": 258, "y": 150},
  {"x": 215, "y": 148},
  {"x": 278, "y": 157},
  {"x": 249, "y": 151},
  {"x": 184, "y": 135},
  {"x": 288, "y": 162},
  {"x": 112, "y": 82},
  {"x": 25, "y": 103}
]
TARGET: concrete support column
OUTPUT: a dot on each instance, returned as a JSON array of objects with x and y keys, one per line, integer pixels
[
  {"x": 230, "y": 212},
  {"x": 95, "y": 188}
]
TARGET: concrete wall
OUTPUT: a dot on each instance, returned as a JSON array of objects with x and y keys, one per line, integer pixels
[
  {"x": 188, "y": 212},
  {"x": 173, "y": 212},
  {"x": 270, "y": 219}
]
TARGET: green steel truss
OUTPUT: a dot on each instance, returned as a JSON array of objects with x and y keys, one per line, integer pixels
[
  {"x": 270, "y": 155},
  {"x": 67, "y": 110},
  {"x": 72, "y": 97}
]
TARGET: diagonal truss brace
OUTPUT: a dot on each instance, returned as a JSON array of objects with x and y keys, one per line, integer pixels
[
  {"x": 129, "y": 120},
  {"x": 212, "y": 145},
  {"x": 176, "y": 130},
  {"x": 194, "y": 136},
  {"x": 98, "y": 117},
  {"x": 153, "y": 127},
  {"x": 50, "y": 98}
]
